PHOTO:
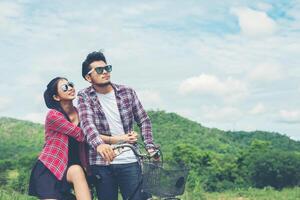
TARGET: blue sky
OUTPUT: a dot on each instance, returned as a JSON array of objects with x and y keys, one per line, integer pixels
[{"x": 232, "y": 65}]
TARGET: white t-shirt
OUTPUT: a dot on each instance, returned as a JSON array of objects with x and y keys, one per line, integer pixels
[{"x": 110, "y": 108}]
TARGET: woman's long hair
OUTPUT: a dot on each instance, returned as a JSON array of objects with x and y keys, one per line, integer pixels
[{"x": 51, "y": 90}]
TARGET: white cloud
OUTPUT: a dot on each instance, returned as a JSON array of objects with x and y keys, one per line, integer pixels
[
  {"x": 8, "y": 12},
  {"x": 258, "y": 109},
  {"x": 220, "y": 114},
  {"x": 249, "y": 128},
  {"x": 289, "y": 116},
  {"x": 264, "y": 6},
  {"x": 266, "y": 72},
  {"x": 229, "y": 89},
  {"x": 149, "y": 98},
  {"x": 185, "y": 112},
  {"x": 141, "y": 38},
  {"x": 35, "y": 117},
  {"x": 4, "y": 103},
  {"x": 253, "y": 22},
  {"x": 29, "y": 80},
  {"x": 138, "y": 9}
]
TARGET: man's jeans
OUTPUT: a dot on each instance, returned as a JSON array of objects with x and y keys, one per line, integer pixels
[{"x": 109, "y": 178}]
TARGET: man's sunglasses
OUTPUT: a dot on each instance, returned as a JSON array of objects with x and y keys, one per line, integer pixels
[
  {"x": 65, "y": 87},
  {"x": 100, "y": 70}
]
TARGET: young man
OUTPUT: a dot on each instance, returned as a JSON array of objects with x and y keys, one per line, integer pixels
[{"x": 107, "y": 113}]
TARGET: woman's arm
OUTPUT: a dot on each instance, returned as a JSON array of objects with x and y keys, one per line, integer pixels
[
  {"x": 86, "y": 116},
  {"x": 57, "y": 122}
]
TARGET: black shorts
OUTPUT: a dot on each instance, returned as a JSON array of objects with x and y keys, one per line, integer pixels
[{"x": 44, "y": 185}]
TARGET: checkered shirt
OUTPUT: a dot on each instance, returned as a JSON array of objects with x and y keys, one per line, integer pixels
[
  {"x": 55, "y": 152},
  {"x": 93, "y": 120}
]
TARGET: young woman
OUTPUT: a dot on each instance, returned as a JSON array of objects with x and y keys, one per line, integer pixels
[{"x": 59, "y": 165}]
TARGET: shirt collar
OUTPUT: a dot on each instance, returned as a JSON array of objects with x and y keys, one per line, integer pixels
[{"x": 92, "y": 90}]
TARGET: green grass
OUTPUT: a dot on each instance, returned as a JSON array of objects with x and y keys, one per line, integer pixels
[
  {"x": 11, "y": 195},
  {"x": 249, "y": 194},
  {"x": 256, "y": 194}
]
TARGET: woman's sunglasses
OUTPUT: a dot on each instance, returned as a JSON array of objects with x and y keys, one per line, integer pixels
[
  {"x": 65, "y": 87},
  {"x": 100, "y": 70}
]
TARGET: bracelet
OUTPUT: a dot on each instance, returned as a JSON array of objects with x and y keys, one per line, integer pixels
[{"x": 109, "y": 139}]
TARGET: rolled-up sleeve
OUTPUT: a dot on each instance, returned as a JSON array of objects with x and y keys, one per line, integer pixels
[{"x": 143, "y": 120}]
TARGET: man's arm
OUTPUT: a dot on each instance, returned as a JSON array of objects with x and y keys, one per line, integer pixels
[
  {"x": 143, "y": 121},
  {"x": 90, "y": 131}
]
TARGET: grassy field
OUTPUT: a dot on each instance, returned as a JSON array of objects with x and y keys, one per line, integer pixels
[
  {"x": 250, "y": 194},
  {"x": 256, "y": 194},
  {"x": 11, "y": 195},
  {"x": 246, "y": 194}
]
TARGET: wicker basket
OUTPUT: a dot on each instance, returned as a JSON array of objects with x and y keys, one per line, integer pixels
[{"x": 163, "y": 181}]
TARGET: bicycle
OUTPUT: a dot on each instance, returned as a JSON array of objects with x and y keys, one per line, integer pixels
[{"x": 162, "y": 180}]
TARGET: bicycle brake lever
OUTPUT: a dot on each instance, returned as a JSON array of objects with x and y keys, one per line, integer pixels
[{"x": 155, "y": 154}]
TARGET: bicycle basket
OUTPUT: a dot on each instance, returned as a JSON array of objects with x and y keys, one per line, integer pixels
[{"x": 164, "y": 181}]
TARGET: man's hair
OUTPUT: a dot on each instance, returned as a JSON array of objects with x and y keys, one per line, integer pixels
[{"x": 91, "y": 57}]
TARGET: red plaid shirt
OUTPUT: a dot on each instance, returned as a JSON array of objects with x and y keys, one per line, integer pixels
[
  {"x": 55, "y": 152},
  {"x": 93, "y": 120}
]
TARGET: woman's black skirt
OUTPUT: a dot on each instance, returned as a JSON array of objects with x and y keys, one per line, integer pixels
[{"x": 44, "y": 185}]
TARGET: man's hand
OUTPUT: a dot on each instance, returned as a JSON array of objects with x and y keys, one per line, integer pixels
[
  {"x": 152, "y": 151},
  {"x": 130, "y": 138},
  {"x": 106, "y": 152}
]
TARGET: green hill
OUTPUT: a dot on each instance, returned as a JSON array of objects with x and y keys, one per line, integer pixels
[
  {"x": 218, "y": 160},
  {"x": 170, "y": 128},
  {"x": 19, "y": 137}
]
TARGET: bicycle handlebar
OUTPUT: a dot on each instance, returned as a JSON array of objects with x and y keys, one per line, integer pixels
[{"x": 153, "y": 154}]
